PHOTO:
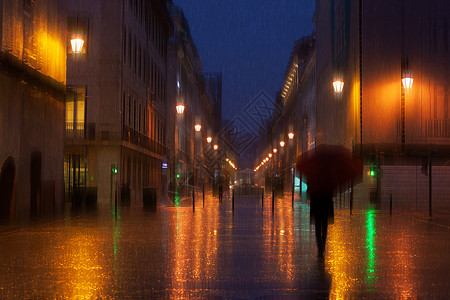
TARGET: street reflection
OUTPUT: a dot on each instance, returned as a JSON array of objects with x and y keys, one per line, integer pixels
[
  {"x": 284, "y": 245},
  {"x": 80, "y": 268},
  {"x": 371, "y": 247},
  {"x": 194, "y": 248},
  {"x": 342, "y": 256},
  {"x": 404, "y": 285},
  {"x": 177, "y": 253}
]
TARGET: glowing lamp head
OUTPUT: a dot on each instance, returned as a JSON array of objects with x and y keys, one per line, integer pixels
[
  {"x": 77, "y": 43},
  {"x": 291, "y": 135},
  {"x": 270, "y": 154},
  {"x": 216, "y": 147},
  {"x": 407, "y": 81},
  {"x": 198, "y": 127},
  {"x": 282, "y": 143},
  {"x": 209, "y": 139},
  {"x": 275, "y": 150},
  {"x": 180, "y": 108},
  {"x": 338, "y": 85}
]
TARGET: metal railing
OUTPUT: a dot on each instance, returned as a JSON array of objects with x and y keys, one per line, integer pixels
[
  {"x": 75, "y": 131},
  {"x": 437, "y": 127},
  {"x": 139, "y": 139}
]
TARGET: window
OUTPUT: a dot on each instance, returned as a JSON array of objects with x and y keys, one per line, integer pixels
[
  {"x": 124, "y": 44},
  {"x": 129, "y": 110},
  {"x": 75, "y": 112},
  {"x": 129, "y": 49}
]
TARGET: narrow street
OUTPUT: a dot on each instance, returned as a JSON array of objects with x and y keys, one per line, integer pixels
[{"x": 214, "y": 251}]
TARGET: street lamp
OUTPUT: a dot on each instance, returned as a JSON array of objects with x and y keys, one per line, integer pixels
[
  {"x": 291, "y": 135},
  {"x": 338, "y": 85},
  {"x": 198, "y": 127},
  {"x": 407, "y": 80},
  {"x": 216, "y": 146},
  {"x": 282, "y": 143},
  {"x": 270, "y": 155},
  {"x": 275, "y": 150},
  {"x": 180, "y": 108},
  {"x": 209, "y": 139},
  {"x": 77, "y": 43}
]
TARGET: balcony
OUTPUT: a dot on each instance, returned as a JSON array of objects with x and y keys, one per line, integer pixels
[
  {"x": 75, "y": 131},
  {"x": 141, "y": 140},
  {"x": 80, "y": 131}
]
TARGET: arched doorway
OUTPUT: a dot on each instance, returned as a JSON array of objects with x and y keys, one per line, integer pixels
[
  {"x": 7, "y": 187},
  {"x": 35, "y": 183}
]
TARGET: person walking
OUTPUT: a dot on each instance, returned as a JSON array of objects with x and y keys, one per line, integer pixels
[
  {"x": 322, "y": 214},
  {"x": 327, "y": 167}
]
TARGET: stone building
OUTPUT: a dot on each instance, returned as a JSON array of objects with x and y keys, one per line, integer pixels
[
  {"x": 32, "y": 94},
  {"x": 188, "y": 165},
  {"x": 115, "y": 116},
  {"x": 372, "y": 46}
]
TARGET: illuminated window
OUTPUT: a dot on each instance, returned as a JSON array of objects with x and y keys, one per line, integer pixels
[{"x": 75, "y": 112}]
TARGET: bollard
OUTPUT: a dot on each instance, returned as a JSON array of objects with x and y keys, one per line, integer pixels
[
  {"x": 430, "y": 186},
  {"x": 273, "y": 199},
  {"x": 193, "y": 200},
  {"x": 232, "y": 200},
  {"x": 351, "y": 199},
  {"x": 262, "y": 197},
  {"x": 293, "y": 187},
  {"x": 390, "y": 204}
]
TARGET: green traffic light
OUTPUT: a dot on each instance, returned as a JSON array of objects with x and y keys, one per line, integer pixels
[
  {"x": 372, "y": 173},
  {"x": 178, "y": 175}
]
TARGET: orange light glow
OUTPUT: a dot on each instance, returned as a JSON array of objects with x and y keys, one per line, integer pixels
[
  {"x": 282, "y": 143},
  {"x": 198, "y": 127},
  {"x": 209, "y": 139}
]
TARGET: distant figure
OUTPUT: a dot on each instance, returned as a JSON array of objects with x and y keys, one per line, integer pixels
[
  {"x": 220, "y": 192},
  {"x": 322, "y": 214}
]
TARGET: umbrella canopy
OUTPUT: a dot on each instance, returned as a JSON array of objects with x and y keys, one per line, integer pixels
[{"x": 326, "y": 167}]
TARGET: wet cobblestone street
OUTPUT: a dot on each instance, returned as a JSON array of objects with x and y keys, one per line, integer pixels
[{"x": 215, "y": 252}]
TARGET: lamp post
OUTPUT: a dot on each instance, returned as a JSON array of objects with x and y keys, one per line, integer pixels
[
  {"x": 407, "y": 82},
  {"x": 180, "y": 107}
]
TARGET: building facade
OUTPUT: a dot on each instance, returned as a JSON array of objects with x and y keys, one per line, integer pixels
[
  {"x": 115, "y": 113},
  {"x": 32, "y": 94},
  {"x": 292, "y": 128},
  {"x": 189, "y": 156},
  {"x": 375, "y": 110}
]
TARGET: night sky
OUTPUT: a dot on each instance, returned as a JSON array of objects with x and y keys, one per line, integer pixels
[{"x": 250, "y": 41}]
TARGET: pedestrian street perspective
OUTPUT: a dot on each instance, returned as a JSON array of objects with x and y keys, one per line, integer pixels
[
  {"x": 217, "y": 252},
  {"x": 237, "y": 149}
]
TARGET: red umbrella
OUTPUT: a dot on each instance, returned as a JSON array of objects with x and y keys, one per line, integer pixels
[{"x": 327, "y": 167}]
